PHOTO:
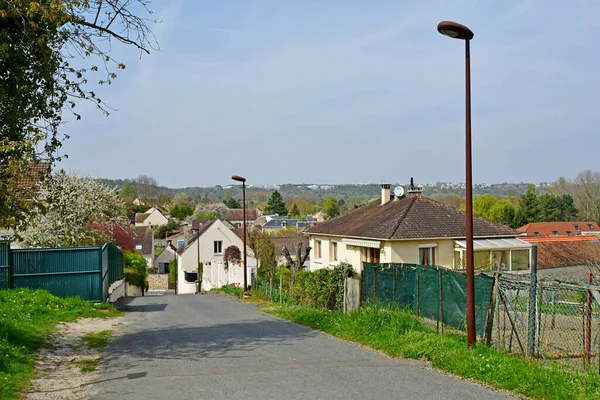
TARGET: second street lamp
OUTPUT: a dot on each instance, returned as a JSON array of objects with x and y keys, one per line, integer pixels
[
  {"x": 243, "y": 180},
  {"x": 458, "y": 31}
]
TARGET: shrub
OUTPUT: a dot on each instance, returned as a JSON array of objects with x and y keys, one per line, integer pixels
[
  {"x": 233, "y": 290},
  {"x": 323, "y": 288},
  {"x": 135, "y": 270},
  {"x": 173, "y": 271}
]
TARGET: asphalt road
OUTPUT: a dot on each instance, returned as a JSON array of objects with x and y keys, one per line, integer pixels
[{"x": 214, "y": 347}]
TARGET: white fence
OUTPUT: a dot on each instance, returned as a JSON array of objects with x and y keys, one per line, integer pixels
[{"x": 216, "y": 275}]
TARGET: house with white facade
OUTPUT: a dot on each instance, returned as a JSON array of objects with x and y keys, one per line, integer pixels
[
  {"x": 417, "y": 230},
  {"x": 152, "y": 217},
  {"x": 143, "y": 237},
  {"x": 162, "y": 260},
  {"x": 207, "y": 245}
]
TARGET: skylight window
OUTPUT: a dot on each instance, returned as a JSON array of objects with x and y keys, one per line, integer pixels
[
  {"x": 555, "y": 233},
  {"x": 577, "y": 227},
  {"x": 591, "y": 226},
  {"x": 569, "y": 233}
]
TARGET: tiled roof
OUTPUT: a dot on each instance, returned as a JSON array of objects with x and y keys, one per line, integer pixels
[
  {"x": 139, "y": 217},
  {"x": 237, "y": 214},
  {"x": 548, "y": 239},
  {"x": 412, "y": 216},
  {"x": 290, "y": 242},
  {"x": 197, "y": 223},
  {"x": 561, "y": 228},
  {"x": 552, "y": 254},
  {"x": 195, "y": 236},
  {"x": 143, "y": 235},
  {"x": 279, "y": 223}
]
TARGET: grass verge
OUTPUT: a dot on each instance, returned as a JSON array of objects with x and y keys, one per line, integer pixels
[
  {"x": 398, "y": 332},
  {"x": 98, "y": 340},
  {"x": 26, "y": 318},
  {"x": 88, "y": 366}
]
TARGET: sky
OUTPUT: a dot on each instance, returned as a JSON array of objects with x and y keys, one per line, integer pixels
[{"x": 348, "y": 91}]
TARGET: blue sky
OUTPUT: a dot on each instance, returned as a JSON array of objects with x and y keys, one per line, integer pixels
[{"x": 349, "y": 92}]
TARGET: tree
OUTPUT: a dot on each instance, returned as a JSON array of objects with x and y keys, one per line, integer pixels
[
  {"x": 275, "y": 204},
  {"x": 296, "y": 264},
  {"x": 331, "y": 208},
  {"x": 265, "y": 253},
  {"x": 213, "y": 210},
  {"x": 232, "y": 203},
  {"x": 482, "y": 205},
  {"x": 181, "y": 206},
  {"x": 304, "y": 206},
  {"x": 135, "y": 270},
  {"x": 529, "y": 207},
  {"x": 38, "y": 41},
  {"x": 294, "y": 211},
  {"x": 73, "y": 211},
  {"x": 503, "y": 212}
]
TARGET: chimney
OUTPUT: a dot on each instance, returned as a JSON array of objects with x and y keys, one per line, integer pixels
[
  {"x": 385, "y": 193},
  {"x": 185, "y": 232},
  {"x": 416, "y": 190}
]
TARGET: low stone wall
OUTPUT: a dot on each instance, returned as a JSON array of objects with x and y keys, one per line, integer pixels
[{"x": 158, "y": 281}]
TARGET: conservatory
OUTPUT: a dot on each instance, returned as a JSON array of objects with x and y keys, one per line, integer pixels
[{"x": 506, "y": 255}]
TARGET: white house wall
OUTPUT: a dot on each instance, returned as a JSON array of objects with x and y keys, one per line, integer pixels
[
  {"x": 165, "y": 256},
  {"x": 188, "y": 261}
]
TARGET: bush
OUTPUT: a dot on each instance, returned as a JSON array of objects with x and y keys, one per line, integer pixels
[
  {"x": 233, "y": 290},
  {"x": 173, "y": 271},
  {"x": 135, "y": 270},
  {"x": 323, "y": 288}
]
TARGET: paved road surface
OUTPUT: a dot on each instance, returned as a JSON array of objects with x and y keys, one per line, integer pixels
[{"x": 214, "y": 347}]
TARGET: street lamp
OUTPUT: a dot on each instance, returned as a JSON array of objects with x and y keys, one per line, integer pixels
[
  {"x": 243, "y": 180},
  {"x": 458, "y": 31}
]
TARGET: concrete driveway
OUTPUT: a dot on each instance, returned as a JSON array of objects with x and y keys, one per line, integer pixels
[{"x": 215, "y": 347}]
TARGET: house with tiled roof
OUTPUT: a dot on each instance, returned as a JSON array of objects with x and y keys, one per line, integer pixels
[
  {"x": 417, "y": 230},
  {"x": 143, "y": 237},
  {"x": 560, "y": 229},
  {"x": 207, "y": 245},
  {"x": 152, "y": 217},
  {"x": 236, "y": 216}
]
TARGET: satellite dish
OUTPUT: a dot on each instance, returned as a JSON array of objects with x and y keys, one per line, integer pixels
[{"x": 398, "y": 191}]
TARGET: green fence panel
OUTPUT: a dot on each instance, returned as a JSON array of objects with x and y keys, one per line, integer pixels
[
  {"x": 418, "y": 287},
  {"x": 4, "y": 260},
  {"x": 115, "y": 263},
  {"x": 64, "y": 272}
]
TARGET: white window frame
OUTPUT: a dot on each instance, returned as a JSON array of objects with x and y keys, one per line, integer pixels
[
  {"x": 429, "y": 247},
  {"x": 218, "y": 246}
]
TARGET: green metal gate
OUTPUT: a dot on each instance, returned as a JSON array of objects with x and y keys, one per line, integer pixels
[{"x": 86, "y": 272}]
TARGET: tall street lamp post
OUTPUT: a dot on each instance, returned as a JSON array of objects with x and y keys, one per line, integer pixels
[
  {"x": 243, "y": 180},
  {"x": 458, "y": 31}
]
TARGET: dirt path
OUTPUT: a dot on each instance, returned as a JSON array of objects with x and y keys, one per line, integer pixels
[{"x": 59, "y": 364}]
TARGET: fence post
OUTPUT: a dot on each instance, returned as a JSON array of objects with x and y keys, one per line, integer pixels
[
  {"x": 588, "y": 327},
  {"x": 489, "y": 318},
  {"x": 374, "y": 283},
  {"x": 271, "y": 289},
  {"x": 280, "y": 290},
  {"x": 394, "y": 285},
  {"x": 417, "y": 290},
  {"x": 441, "y": 316},
  {"x": 531, "y": 329},
  {"x": 345, "y": 288}
]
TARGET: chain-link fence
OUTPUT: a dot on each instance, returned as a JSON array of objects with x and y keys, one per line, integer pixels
[
  {"x": 275, "y": 289},
  {"x": 553, "y": 320}
]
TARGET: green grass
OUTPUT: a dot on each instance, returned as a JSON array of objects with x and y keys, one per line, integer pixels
[
  {"x": 233, "y": 290},
  {"x": 87, "y": 366},
  {"x": 26, "y": 318},
  {"x": 98, "y": 340},
  {"x": 398, "y": 332}
]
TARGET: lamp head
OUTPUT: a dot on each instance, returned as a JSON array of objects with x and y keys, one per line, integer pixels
[
  {"x": 238, "y": 178},
  {"x": 455, "y": 30}
]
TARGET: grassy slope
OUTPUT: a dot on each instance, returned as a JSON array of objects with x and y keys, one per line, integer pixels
[
  {"x": 26, "y": 318},
  {"x": 399, "y": 333}
]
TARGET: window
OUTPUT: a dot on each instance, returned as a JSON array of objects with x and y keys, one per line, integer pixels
[
  {"x": 569, "y": 233},
  {"x": 577, "y": 227},
  {"x": 536, "y": 233},
  {"x": 180, "y": 243},
  {"x": 138, "y": 246},
  {"x": 218, "y": 247},
  {"x": 427, "y": 255},
  {"x": 591, "y": 226},
  {"x": 372, "y": 255},
  {"x": 318, "y": 248},
  {"x": 555, "y": 233},
  {"x": 334, "y": 255}
]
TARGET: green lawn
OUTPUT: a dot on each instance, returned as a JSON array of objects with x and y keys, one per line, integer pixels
[
  {"x": 398, "y": 332},
  {"x": 26, "y": 318}
]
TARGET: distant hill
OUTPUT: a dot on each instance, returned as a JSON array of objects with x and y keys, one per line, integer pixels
[{"x": 316, "y": 193}]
